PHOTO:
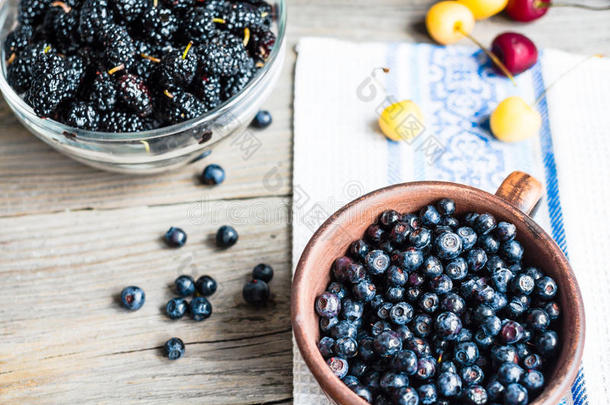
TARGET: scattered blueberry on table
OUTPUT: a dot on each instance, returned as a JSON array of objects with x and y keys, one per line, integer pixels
[
  {"x": 185, "y": 285},
  {"x": 439, "y": 308},
  {"x": 256, "y": 292},
  {"x": 206, "y": 286},
  {"x": 226, "y": 236},
  {"x": 133, "y": 65},
  {"x": 262, "y": 272},
  {"x": 176, "y": 308},
  {"x": 200, "y": 308},
  {"x": 174, "y": 348},
  {"x": 262, "y": 119},
  {"x": 133, "y": 298},
  {"x": 212, "y": 174},
  {"x": 175, "y": 237}
]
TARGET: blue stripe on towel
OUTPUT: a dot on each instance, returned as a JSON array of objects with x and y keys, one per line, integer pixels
[{"x": 579, "y": 392}]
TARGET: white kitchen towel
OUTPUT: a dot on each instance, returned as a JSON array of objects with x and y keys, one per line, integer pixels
[{"x": 340, "y": 154}]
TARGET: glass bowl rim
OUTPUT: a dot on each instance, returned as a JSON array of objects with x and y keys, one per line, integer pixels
[{"x": 169, "y": 130}]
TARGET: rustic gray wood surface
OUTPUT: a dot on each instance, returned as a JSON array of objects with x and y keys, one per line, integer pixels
[{"x": 71, "y": 237}]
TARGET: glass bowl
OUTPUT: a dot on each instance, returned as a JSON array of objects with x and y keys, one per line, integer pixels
[{"x": 159, "y": 149}]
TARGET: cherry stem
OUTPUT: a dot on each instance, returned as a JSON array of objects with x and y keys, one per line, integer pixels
[
  {"x": 188, "y": 48},
  {"x": 116, "y": 69},
  {"x": 246, "y": 36},
  {"x": 63, "y": 5},
  {"x": 383, "y": 69},
  {"x": 540, "y": 4},
  {"x": 11, "y": 59},
  {"x": 219, "y": 20},
  {"x": 493, "y": 57},
  {"x": 168, "y": 94},
  {"x": 564, "y": 74},
  {"x": 150, "y": 58}
]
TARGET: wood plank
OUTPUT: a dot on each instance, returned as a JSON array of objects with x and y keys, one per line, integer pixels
[{"x": 65, "y": 339}]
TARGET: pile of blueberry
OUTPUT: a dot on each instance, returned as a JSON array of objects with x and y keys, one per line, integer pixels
[
  {"x": 199, "y": 307},
  {"x": 132, "y": 65},
  {"x": 436, "y": 309}
]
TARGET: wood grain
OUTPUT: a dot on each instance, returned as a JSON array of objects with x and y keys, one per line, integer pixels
[{"x": 74, "y": 236}]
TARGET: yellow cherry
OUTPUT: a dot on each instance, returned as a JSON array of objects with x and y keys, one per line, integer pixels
[
  {"x": 402, "y": 120},
  {"x": 483, "y": 9},
  {"x": 514, "y": 120},
  {"x": 448, "y": 22}
]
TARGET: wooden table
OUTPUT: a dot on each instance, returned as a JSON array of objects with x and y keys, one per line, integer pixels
[{"x": 72, "y": 237}]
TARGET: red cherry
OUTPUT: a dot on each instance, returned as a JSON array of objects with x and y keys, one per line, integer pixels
[
  {"x": 527, "y": 10},
  {"x": 516, "y": 51}
]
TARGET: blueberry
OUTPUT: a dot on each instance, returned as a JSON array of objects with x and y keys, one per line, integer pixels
[
  {"x": 446, "y": 206},
  {"x": 449, "y": 384},
  {"x": 522, "y": 284},
  {"x": 511, "y": 251},
  {"x": 457, "y": 269},
  {"x": 359, "y": 249},
  {"x": 392, "y": 381},
  {"x": 175, "y": 237},
  {"x": 482, "y": 312},
  {"x": 416, "y": 279},
  {"x": 504, "y": 354},
  {"x": 388, "y": 218},
  {"x": 448, "y": 325},
  {"x": 200, "y": 308},
  {"x": 518, "y": 305},
  {"x": 533, "y": 361},
  {"x": 176, "y": 308},
  {"x": 534, "y": 273},
  {"x": 133, "y": 298},
  {"x": 509, "y": 373},
  {"x": 366, "y": 352},
  {"x": 401, "y": 313},
  {"x": 505, "y": 231},
  {"x": 405, "y": 361},
  {"x": 472, "y": 375},
  {"x": 262, "y": 119},
  {"x": 475, "y": 395},
  {"x": 489, "y": 244},
  {"x": 419, "y": 346},
  {"x": 465, "y": 335},
  {"x": 553, "y": 310},
  {"x": 263, "y": 272},
  {"x": 440, "y": 229},
  {"x": 212, "y": 174},
  {"x": 395, "y": 276},
  {"x": 494, "y": 262},
  {"x": 422, "y": 325},
  {"x": 375, "y": 234},
  {"x": 395, "y": 294},
  {"x": 466, "y": 353},
  {"x": 420, "y": 238},
  {"x": 512, "y": 332},
  {"x": 226, "y": 236},
  {"x": 547, "y": 343},
  {"x": 327, "y": 304},
  {"x": 452, "y": 302},
  {"x": 340, "y": 268},
  {"x": 451, "y": 222},
  {"x": 515, "y": 394},
  {"x": 351, "y": 381},
  {"x": 495, "y": 389},
  {"x": 364, "y": 291},
  {"x": 426, "y": 368},
  {"x": 185, "y": 286},
  {"x": 326, "y": 324},
  {"x": 362, "y": 392},
  {"x": 399, "y": 234},
  {"x": 523, "y": 350},
  {"x": 410, "y": 259},
  {"x": 377, "y": 262},
  {"x": 447, "y": 366},
  {"x": 468, "y": 287},
  {"x": 432, "y": 267},
  {"x": 342, "y": 329},
  {"x": 468, "y": 237},
  {"x": 371, "y": 380},
  {"x": 405, "y": 396},
  {"x": 387, "y": 343},
  {"x": 379, "y": 327},
  {"x": 538, "y": 320},
  {"x": 470, "y": 218},
  {"x": 441, "y": 285},
  {"x": 338, "y": 366},
  {"x": 491, "y": 325},
  {"x": 338, "y": 289},
  {"x": 533, "y": 380},
  {"x": 546, "y": 288},
  {"x": 346, "y": 347},
  {"x": 256, "y": 292},
  {"x": 412, "y": 219},
  {"x": 358, "y": 368},
  {"x": 448, "y": 245},
  {"x": 355, "y": 273},
  {"x": 404, "y": 332},
  {"x": 351, "y": 310},
  {"x": 174, "y": 348},
  {"x": 484, "y": 223},
  {"x": 476, "y": 259},
  {"x": 326, "y": 346},
  {"x": 387, "y": 247},
  {"x": 206, "y": 286},
  {"x": 501, "y": 278},
  {"x": 427, "y": 394},
  {"x": 428, "y": 302},
  {"x": 429, "y": 215}
]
